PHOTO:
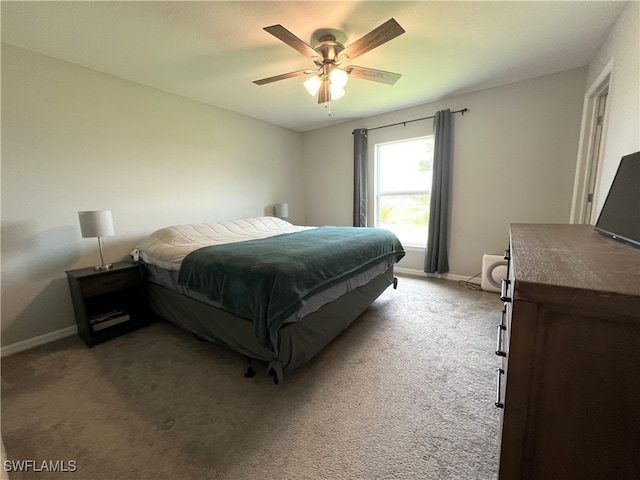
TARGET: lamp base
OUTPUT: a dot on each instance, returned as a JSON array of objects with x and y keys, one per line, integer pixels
[{"x": 103, "y": 267}]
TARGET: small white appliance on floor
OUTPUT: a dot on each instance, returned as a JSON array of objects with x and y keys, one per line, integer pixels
[{"x": 494, "y": 269}]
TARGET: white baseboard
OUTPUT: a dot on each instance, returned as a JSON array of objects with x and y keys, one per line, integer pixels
[
  {"x": 409, "y": 271},
  {"x": 445, "y": 276},
  {"x": 36, "y": 341}
]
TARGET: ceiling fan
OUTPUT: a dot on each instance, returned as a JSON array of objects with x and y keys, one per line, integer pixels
[{"x": 330, "y": 56}]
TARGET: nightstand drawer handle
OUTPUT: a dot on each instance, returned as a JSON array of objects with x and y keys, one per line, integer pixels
[
  {"x": 504, "y": 294},
  {"x": 499, "y": 403}
]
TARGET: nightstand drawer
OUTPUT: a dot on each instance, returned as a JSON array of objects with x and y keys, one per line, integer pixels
[{"x": 110, "y": 282}]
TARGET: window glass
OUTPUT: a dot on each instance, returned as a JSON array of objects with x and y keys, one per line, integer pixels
[{"x": 403, "y": 188}]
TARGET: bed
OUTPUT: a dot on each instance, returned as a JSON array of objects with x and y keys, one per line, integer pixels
[{"x": 270, "y": 290}]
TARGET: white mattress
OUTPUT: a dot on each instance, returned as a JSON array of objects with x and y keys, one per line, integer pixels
[{"x": 166, "y": 248}]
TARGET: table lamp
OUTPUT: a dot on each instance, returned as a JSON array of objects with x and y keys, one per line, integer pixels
[
  {"x": 97, "y": 223},
  {"x": 282, "y": 210}
]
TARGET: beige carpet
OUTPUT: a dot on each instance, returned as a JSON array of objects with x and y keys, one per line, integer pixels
[{"x": 406, "y": 392}]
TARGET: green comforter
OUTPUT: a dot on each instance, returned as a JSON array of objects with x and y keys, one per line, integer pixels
[{"x": 268, "y": 280}]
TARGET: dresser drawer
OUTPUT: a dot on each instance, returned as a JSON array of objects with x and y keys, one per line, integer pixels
[{"x": 110, "y": 282}]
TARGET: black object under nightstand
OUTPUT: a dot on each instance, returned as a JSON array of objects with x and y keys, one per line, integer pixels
[{"x": 108, "y": 303}]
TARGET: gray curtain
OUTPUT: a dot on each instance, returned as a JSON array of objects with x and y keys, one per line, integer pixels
[
  {"x": 436, "y": 258},
  {"x": 360, "y": 177}
]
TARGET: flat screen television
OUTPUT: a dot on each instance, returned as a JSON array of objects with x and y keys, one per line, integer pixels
[{"x": 620, "y": 215}]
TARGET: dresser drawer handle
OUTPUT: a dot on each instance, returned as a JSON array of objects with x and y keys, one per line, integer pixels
[
  {"x": 504, "y": 287},
  {"x": 499, "y": 351},
  {"x": 499, "y": 403}
]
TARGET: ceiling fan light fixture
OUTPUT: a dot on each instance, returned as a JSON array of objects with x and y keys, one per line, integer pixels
[
  {"x": 336, "y": 91},
  {"x": 313, "y": 85},
  {"x": 338, "y": 78}
]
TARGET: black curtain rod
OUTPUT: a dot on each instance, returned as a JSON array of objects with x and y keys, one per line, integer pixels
[{"x": 414, "y": 120}]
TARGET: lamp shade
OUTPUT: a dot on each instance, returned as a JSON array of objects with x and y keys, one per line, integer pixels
[
  {"x": 282, "y": 210},
  {"x": 96, "y": 223}
]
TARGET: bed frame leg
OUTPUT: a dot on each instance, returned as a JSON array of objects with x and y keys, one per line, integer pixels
[
  {"x": 249, "y": 373},
  {"x": 395, "y": 283}
]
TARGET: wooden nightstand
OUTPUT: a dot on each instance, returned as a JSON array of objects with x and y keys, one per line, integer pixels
[{"x": 108, "y": 303}]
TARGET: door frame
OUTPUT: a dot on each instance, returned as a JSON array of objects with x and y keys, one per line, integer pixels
[{"x": 586, "y": 153}]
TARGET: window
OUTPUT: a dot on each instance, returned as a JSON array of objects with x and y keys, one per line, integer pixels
[{"x": 403, "y": 188}]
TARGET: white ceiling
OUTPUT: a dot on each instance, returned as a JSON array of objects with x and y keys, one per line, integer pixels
[{"x": 212, "y": 51}]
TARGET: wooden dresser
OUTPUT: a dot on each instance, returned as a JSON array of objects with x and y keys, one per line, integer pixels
[{"x": 569, "y": 341}]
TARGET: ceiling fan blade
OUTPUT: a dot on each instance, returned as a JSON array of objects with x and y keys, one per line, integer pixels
[
  {"x": 372, "y": 74},
  {"x": 385, "y": 32},
  {"x": 284, "y": 76},
  {"x": 290, "y": 39},
  {"x": 324, "y": 94}
]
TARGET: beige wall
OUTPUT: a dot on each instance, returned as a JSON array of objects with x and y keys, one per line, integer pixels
[
  {"x": 75, "y": 139},
  {"x": 514, "y": 160},
  {"x": 622, "y": 136}
]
